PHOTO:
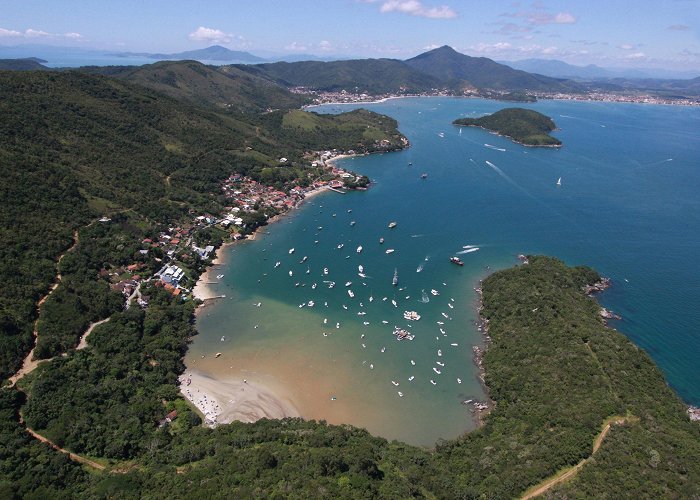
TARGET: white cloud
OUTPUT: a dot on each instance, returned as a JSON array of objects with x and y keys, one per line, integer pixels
[
  {"x": 678, "y": 27},
  {"x": 211, "y": 35},
  {"x": 4, "y": 32},
  {"x": 32, "y": 33},
  {"x": 491, "y": 48},
  {"x": 540, "y": 18},
  {"x": 626, "y": 46},
  {"x": 432, "y": 46},
  {"x": 325, "y": 46},
  {"x": 296, "y": 47},
  {"x": 637, "y": 56},
  {"x": 416, "y": 8}
]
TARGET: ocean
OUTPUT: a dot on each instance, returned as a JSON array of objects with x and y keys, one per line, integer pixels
[{"x": 628, "y": 206}]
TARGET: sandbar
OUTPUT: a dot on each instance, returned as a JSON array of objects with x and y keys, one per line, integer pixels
[{"x": 225, "y": 400}]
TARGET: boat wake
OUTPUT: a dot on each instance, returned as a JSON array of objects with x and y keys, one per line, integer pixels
[
  {"x": 420, "y": 267},
  {"x": 424, "y": 297},
  {"x": 494, "y": 147},
  {"x": 468, "y": 250}
]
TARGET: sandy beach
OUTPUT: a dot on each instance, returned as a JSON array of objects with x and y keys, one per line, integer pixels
[{"x": 222, "y": 401}]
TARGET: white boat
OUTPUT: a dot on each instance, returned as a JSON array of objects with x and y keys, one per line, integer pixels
[
  {"x": 311, "y": 303},
  {"x": 393, "y": 303},
  {"x": 277, "y": 264},
  {"x": 381, "y": 241},
  {"x": 413, "y": 363},
  {"x": 450, "y": 306},
  {"x": 389, "y": 250},
  {"x": 303, "y": 260},
  {"x": 440, "y": 363},
  {"x": 351, "y": 294},
  {"x": 337, "y": 325},
  {"x": 395, "y": 383},
  {"x": 291, "y": 251},
  {"x": 353, "y": 223},
  {"x": 437, "y": 371},
  {"x": 359, "y": 249},
  {"x": 459, "y": 380},
  {"x": 371, "y": 298},
  {"x": 400, "y": 394},
  {"x": 362, "y": 275},
  {"x": 392, "y": 225},
  {"x": 348, "y": 283},
  {"x": 361, "y": 268},
  {"x": 434, "y": 292},
  {"x": 410, "y": 379},
  {"x": 382, "y": 349},
  {"x": 385, "y": 322},
  {"x": 559, "y": 182},
  {"x": 219, "y": 276},
  {"x": 331, "y": 284},
  {"x": 432, "y": 382},
  {"x": 454, "y": 344},
  {"x": 439, "y": 352},
  {"x": 441, "y": 134},
  {"x": 395, "y": 280},
  {"x": 411, "y": 315},
  {"x": 291, "y": 273},
  {"x": 313, "y": 287},
  {"x": 341, "y": 246},
  {"x": 325, "y": 270}
]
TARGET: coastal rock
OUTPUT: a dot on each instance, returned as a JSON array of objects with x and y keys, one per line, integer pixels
[
  {"x": 694, "y": 413},
  {"x": 598, "y": 286}
]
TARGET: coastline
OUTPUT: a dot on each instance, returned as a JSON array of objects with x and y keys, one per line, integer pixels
[
  {"x": 493, "y": 132},
  {"x": 222, "y": 401}
]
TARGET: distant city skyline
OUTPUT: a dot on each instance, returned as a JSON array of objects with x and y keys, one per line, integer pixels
[{"x": 614, "y": 33}]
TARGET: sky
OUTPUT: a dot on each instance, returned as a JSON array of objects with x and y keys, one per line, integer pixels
[{"x": 609, "y": 33}]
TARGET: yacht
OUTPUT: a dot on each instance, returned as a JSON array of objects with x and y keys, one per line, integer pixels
[{"x": 392, "y": 225}]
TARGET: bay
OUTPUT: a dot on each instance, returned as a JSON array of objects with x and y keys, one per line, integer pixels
[{"x": 627, "y": 206}]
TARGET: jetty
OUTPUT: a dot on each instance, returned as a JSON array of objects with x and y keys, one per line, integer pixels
[{"x": 336, "y": 190}]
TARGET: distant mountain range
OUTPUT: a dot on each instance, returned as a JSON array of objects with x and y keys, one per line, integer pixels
[
  {"x": 213, "y": 53},
  {"x": 560, "y": 69}
]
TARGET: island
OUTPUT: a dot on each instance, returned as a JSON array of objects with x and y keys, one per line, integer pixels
[{"x": 524, "y": 126}]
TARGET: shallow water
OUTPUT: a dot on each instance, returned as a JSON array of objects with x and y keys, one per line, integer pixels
[{"x": 627, "y": 206}]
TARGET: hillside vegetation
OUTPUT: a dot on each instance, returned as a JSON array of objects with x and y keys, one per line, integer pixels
[
  {"x": 226, "y": 87},
  {"x": 524, "y": 126}
]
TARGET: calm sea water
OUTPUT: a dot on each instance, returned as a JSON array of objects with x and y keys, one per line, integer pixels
[{"x": 628, "y": 206}]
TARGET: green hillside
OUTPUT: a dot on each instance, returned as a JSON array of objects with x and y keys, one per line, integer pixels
[
  {"x": 524, "y": 126},
  {"x": 448, "y": 65},
  {"x": 373, "y": 76},
  {"x": 226, "y": 87}
]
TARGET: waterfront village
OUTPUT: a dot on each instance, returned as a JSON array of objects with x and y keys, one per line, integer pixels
[
  {"x": 180, "y": 253},
  {"x": 345, "y": 97}
]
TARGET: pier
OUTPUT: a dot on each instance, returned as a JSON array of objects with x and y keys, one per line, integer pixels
[{"x": 336, "y": 190}]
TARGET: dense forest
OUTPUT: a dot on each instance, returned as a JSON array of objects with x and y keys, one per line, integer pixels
[
  {"x": 75, "y": 147},
  {"x": 524, "y": 126}
]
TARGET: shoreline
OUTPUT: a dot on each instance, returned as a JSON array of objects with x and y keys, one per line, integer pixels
[
  {"x": 493, "y": 132},
  {"x": 222, "y": 401}
]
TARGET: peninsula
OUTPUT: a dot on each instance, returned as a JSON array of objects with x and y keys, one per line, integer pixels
[{"x": 524, "y": 126}]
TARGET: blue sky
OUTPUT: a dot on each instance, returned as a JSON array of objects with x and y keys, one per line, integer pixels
[{"x": 641, "y": 33}]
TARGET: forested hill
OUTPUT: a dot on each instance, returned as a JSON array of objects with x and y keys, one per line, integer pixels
[
  {"x": 373, "y": 76},
  {"x": 524, "y": 126},
  {"x": 75, "y": 146},
  {"x": 225, "y": 87},
  {"x": 443, "y": 68},
  {"x": 448, "y": 65}
]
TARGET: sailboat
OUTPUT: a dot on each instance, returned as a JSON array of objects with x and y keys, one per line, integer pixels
[
  {"x": 559, "y": 182},
  {"x": 395, "y": 280}
]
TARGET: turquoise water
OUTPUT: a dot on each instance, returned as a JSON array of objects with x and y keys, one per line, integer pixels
[{"x": 628, "y": 206}]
